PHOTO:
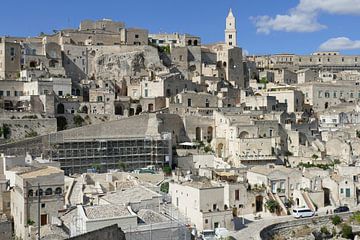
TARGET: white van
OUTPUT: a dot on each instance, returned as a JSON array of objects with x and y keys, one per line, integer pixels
[{"x": 302, "y": 212}]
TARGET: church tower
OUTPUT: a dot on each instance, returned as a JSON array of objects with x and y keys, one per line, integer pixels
[{"x": 230, "y": 31}]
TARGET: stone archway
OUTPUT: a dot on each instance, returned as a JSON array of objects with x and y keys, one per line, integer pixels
[
  {"x": 198, "y": 134},
  {"x": 138, "y": 110},
  {"x": 210, "y": 133},
  {"x": 119, "y": 110},
  {"x": 244, "y": 134},
  {"x": 85, "y": 109},
  {"x": 220, "y": 150},
  {"x": 60, "y": 108}
]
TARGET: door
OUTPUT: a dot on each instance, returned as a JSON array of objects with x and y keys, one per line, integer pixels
[{"x": 43, "y": 219}]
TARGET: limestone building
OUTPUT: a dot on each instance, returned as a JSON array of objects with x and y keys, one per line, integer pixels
[{"x": 48, "y": 182}]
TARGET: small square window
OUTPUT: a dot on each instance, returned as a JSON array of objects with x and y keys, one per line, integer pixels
[{"x": 43, "y": 205}]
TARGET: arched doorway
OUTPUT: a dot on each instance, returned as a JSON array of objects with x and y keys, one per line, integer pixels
[
  {"x": 131, "y": 112},
  {"x": 77, "y": 92},
  {"x": 60, "y": 108},
  {"x": 220, "y": 150},
  {"x": 150, "y": 107},
  {"x": 84, "y": 109},
  {"x": 195, "y": 42},
  {"x": 210, "y": 133},
  {"x": 198, "y": 134},
  {"x": 243, "y": 135},
  {"x": 138, "y": 110},
  {"x": 259, "y": 203},
  {"x": 119, "y": 110},
  {"x": 33, "y": 64},
  {"x": 327, "y": 201}
]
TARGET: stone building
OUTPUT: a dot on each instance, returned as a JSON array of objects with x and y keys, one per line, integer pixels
[
  {"x": 202, "y": 203},
  {"x": 10, "y": 54},
  {"x": 48, "y": 182}
]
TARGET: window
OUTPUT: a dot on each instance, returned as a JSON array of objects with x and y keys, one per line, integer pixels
[
  {"x": 12, "y": 51},
  {"x": 8, "y": 93},
  {"x": 327, "y": 94},
  {"x": 30, "y": 193},
  {"x": 347, "y": 192},
  {"x": 58, "y": 191},
  {"x": 136, "y": 35},
  {"x": 319, "y": 94},
  {"x": 43, "y": 205},
  {"x": 230, "y": 43},
  {"x": 230, "y": 36},
  {"x": 206, "y": 221},
  {"x": 146, "y": 93},
  {"x": 189, "y": 102},
  {"x": 60, "y": 93},
  {"x": 214, "y": 206},
  {"x": 341, "y": 190},
  {"x": 237, "y": 195},
  {"x": 334, "y": 94},
  {"x": 48, "y": 191}
]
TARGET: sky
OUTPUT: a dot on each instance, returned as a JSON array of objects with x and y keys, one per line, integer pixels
[{"x": 264, "y": 26}]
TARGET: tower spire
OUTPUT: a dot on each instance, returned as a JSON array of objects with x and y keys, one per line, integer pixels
[{"x": 230, "y": 31}]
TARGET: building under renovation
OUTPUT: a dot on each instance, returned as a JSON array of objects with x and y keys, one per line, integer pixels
[{"x": 110, "y": 145}]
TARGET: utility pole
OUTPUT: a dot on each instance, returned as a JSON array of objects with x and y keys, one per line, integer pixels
[{"x": 39, "y": 216}]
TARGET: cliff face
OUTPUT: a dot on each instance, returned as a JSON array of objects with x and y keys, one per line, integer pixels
[{"x": 117, "y": 62}]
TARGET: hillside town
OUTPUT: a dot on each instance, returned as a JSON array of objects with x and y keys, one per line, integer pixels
[{"x": 113, "y": 132}]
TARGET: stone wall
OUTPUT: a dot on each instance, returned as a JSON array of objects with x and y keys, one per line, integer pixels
[{"x": 25, "y": 127}]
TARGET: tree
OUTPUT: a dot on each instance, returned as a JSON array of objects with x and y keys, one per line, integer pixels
[
  {"x": 347, "y": 231},
  {"x": 272, "y": 205}
]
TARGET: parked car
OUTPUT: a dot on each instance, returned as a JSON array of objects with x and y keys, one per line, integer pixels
[
  {"x": 303, "y": 212},
  {"x": 341, "y": 209}
]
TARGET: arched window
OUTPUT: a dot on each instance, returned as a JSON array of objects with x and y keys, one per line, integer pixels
[
  {"x": 48, "y": 191},
  {"x": 58, "y": 191},
  {"x": 189, "y": 42},
  {"x": 195, "y": 42},
  {"x": 31, "y": 193},
  {"x": 39, "y": 192}
]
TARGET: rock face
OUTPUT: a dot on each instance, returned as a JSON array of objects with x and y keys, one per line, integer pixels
[{"x": 117, "y": 62}]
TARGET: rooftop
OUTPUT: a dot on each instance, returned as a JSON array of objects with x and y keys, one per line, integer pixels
[
  {"x": 106, "y": 211},
  {"x": 132, "y": 195},
  {"x": 41, "y": 172}
]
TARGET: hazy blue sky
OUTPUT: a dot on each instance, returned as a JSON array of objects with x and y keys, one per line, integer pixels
[{"x": 264, "y": 26}]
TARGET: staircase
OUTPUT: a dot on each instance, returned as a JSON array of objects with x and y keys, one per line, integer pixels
[
  {"x": 283, "y": 210},
  {"x": 308, "y": 201}
]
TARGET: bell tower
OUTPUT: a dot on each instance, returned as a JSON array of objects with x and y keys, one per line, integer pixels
[{"x": 230, "y": 30}]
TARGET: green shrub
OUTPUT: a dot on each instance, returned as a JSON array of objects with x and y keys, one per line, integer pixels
[
  {"x": 346, "y": 232},
  {"x": 324, "y": 230},
  {"x": 167, "y": 170},
  {"x": 78, "y": 120},
  {"x": 336, "y": 220},
  {"x": 164, "y": 187},
  {"x": 272, "y": 205}
]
